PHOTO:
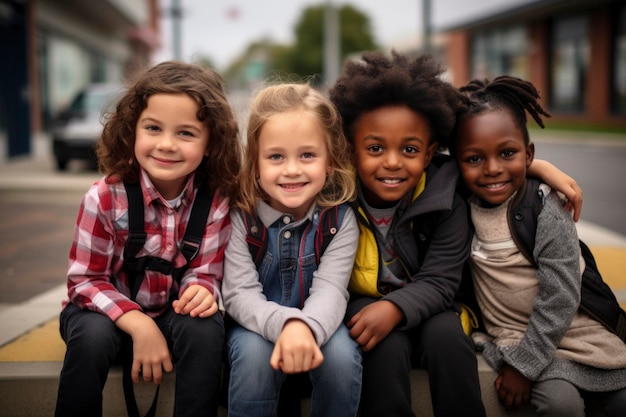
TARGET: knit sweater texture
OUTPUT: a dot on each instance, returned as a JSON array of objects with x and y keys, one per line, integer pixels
[{"x": 532, "y": 312}]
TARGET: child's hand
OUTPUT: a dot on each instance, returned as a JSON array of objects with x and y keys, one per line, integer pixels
[
  {"x": 373, "y": 323},
  {"x": 196, "y": 301},
  {"x": 296, "y": 350},
  {"x": 512, "y": 387},
  {"x": 151, "y": 355},
  {"x": 560, "y": 182}
]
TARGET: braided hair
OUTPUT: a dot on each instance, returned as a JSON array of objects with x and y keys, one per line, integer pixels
[{"x": 504, "y": 93}]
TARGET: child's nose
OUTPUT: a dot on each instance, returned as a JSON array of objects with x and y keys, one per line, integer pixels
[
  {"x": 392, "y": 160},
  {"x": 492, "y": 166},
  {"x": 166, "y": 141},
  {"x": 292, "y": 167}
]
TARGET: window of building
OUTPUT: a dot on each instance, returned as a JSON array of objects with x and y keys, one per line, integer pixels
[
  {"x": 570, "y": 60},
  {"x": 619, "y": 64},
  {"x": 500, "y": 51}
]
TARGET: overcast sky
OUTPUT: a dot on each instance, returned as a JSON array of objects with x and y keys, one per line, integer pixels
[{"x": 222, "y": 29}]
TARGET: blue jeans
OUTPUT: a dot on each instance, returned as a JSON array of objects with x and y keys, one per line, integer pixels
[
  {"x": 93, "y": 345},
  {"x": 254, "y": 385}
]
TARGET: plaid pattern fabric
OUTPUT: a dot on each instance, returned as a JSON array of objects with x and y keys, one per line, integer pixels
[{"x": 96, "y": 278}]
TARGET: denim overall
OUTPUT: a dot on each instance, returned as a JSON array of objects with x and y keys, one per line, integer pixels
[{"x": 286, "y": 273}]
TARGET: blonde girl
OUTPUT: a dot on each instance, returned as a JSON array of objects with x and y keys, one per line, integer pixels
[{"x": 288, "y": 310}]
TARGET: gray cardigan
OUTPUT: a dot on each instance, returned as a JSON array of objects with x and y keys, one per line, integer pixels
[
  {"x": 547, "y": 350},
  {"x": 325, "y": 307}
]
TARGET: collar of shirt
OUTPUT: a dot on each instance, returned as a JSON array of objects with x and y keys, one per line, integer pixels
[
  {"x": 151, "y": 194},
  {"x": 269, "y": 215}
]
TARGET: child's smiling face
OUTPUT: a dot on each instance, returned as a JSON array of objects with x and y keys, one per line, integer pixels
[
  {"x": 393, "y": 149},
  {"x": 492, "y": 156},
  {"x": 170, "y": 141},
  {"x": 293, "y": 161}
]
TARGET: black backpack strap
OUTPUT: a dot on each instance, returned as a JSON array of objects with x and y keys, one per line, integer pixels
[
  {"x": 136, "y": 234},
  {"x": 596, "y": 292},
  {"x": 190, "y": 247},
  {"x": 134, "y": 243},
  {"x": 526, "y": 206},
  {"x": 194, "y": 232},
  {"x": 256, "y": 236}
]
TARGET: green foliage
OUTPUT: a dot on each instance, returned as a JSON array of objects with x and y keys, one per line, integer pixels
[{"x": 305, "y": 58}]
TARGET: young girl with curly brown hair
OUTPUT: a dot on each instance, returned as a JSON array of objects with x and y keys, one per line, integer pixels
[{"x": 172, "y": 134}]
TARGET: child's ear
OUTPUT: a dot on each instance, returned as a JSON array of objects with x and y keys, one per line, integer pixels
[
  {"x": 430, "y": 152},
  {"x": 530, "y": 153}
]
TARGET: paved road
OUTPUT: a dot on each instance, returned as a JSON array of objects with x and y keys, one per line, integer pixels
[
  {"x": 34, "y": 243},
  {"x": 599, "y": 170},
  {"x": 38, "y": 208}
]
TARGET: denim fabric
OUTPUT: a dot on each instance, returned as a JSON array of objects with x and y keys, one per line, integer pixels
[
  {"x": 94, "y": 342},
  {"x": 286, "y": 271},
  {"x": 254, "y": 386}
]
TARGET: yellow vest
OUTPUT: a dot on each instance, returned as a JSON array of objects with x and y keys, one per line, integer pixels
[{"x": 364, "y": 279}]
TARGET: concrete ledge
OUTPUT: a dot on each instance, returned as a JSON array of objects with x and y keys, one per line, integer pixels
[{"x": 30, "y": 388}]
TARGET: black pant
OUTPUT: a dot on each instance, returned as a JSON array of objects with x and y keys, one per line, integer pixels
[
  {"x": 94, "y": 343},
  {"x": 440, "y": 347}
]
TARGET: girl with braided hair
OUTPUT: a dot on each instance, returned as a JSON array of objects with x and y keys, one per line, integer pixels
[{"x": 547, "y": 351}]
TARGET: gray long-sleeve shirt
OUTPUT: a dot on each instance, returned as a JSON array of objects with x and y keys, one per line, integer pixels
[{"x": 325, "y": 307}]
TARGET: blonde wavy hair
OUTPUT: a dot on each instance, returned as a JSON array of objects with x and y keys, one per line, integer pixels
[{"x": 280, "y": 98}]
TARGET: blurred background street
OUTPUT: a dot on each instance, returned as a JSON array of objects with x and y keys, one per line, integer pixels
[
  {"x": 71, "y": 58},
  {"x": 64, "y": 62}
]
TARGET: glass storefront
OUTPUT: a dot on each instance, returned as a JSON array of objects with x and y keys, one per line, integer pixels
[
  {"x": 569, "y": 64},
  {"x": 619, "y": 65},
  {"x": 500, "y": 51}
]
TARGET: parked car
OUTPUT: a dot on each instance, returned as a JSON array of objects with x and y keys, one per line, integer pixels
[{"x": 76, "y": 129}]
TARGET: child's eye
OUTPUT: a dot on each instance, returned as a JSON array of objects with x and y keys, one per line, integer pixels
[
  {"x": 308, "y": 155},
  {"x": 275, "y": 157},
  {"x": 185, "y": 133},
  {"x": 410, "y": 149},
  {"x": 508, "y": 153},
  {"x": 152, "y": 128},
  {"x": 474, "y": 159},
  {"x": 375, "y": 148}
]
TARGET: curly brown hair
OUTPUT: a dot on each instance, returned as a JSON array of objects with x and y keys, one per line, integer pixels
[
  {"x": 280, "y": 98},
  {"x": 219, "y": 169},
  {"x": 378, "y": 80}
]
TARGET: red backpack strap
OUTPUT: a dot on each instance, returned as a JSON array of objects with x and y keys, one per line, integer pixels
[
  {"x": 327, "y": 228},
  {"x": 256, "y": 236}
]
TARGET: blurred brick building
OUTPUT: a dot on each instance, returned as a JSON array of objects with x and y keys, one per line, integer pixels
[
  {"x": 574, "y": 51},
  {"x": 52, "y": 48}
]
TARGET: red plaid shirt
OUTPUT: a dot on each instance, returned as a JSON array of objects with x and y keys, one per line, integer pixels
[{"x": 96, "y": 279}]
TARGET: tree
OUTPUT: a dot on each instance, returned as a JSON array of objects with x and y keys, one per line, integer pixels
[{"x": 306, "y": 57}]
